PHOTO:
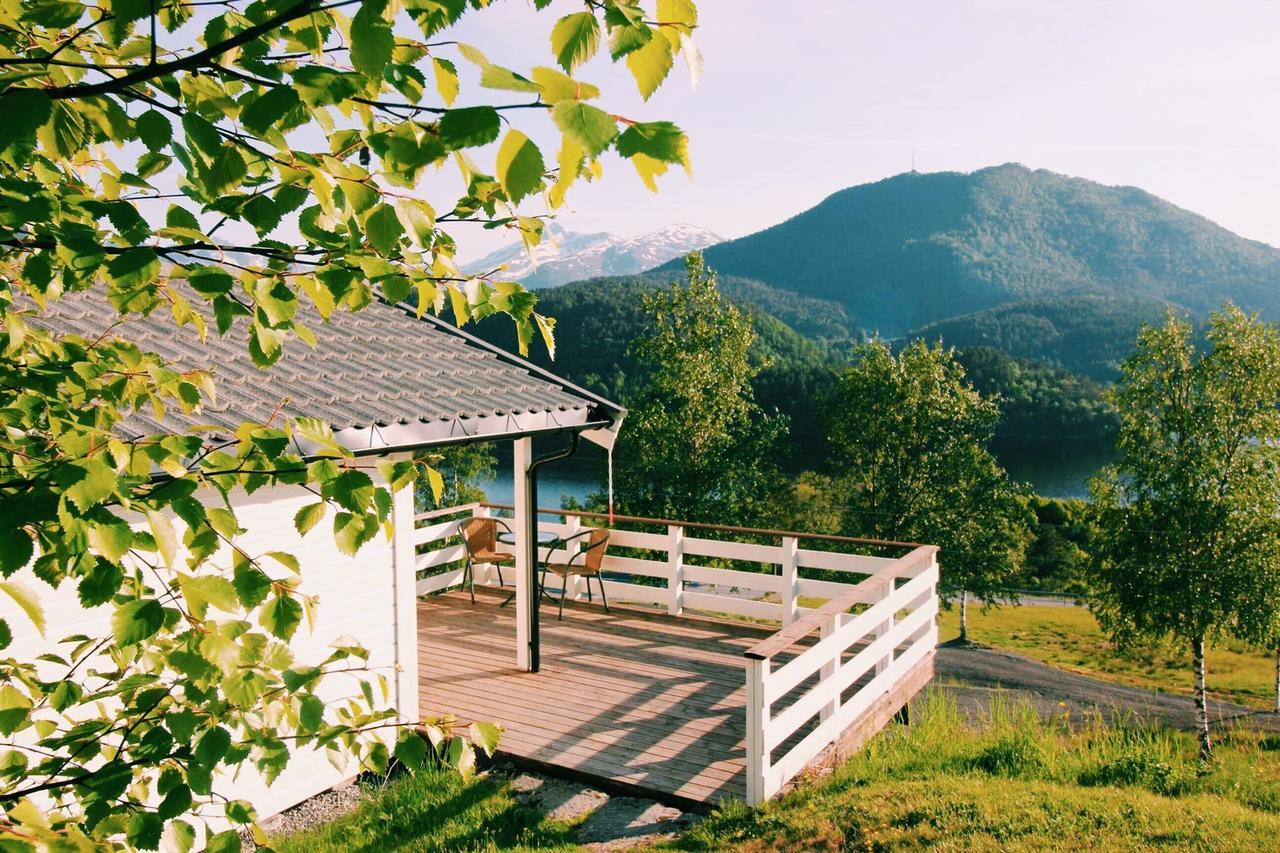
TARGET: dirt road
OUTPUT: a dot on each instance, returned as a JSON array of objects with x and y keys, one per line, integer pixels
[{"x": 973, "y": 674}]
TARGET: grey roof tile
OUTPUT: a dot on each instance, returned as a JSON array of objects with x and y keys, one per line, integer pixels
[{"x": 379, "y": 367}]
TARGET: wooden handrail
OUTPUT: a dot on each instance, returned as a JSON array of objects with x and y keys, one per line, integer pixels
[
  {"x": 726, "y": 528},
  {"x": 813, "y": 620},
  {"x": 446, "y": 510}
]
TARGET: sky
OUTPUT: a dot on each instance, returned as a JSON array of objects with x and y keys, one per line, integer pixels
[{"x": 800, "y": 99}]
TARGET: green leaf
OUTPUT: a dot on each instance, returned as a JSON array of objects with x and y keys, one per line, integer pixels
[
  {"x": 204, "y": 590},
  {"x": 574, "y": 39},
  {"x": 486, "y": 736},
  {"x": 371, "y": 40},
  {"x": 165, "y": 536},
  {"x": 25, "y": 110},
  {"x": 382, "y": 227},
  {"x": 281, "y": 616},
  {"x": 143, "y": 830},
  {"x": 469, "y": 127},
  {"x": 446, "y": 74},
  {"x": 16, "y": 549},
  {"x": 418, "y": 219},
  {"x": 137, "y": 620},
  {"x": 88, "y": 482},
  {"x": 133, "y": 268},
  {"x": 251, "y": 584},
  {"x": 100, "y": 583},
  {"x": 269, "y": 108},
  {"x": 497, "y": 77},
  {"x": 26, "y": 598},
  {"x": 212, "y": 746},
  {"x": 308, "y": 517},
  {"x": 154, "y": 129},
  {"x": 14, "y": 708},
  {"x": 650, "y": 65},
  {"x": 318, "y": 86},
  {"x": 110, "y": 537},
  {"x": 520, "y": 166},
  {"x": 411, "y": 749},
  {"x": 660, "y": 140},
  {"x": 589, "y": 126}
]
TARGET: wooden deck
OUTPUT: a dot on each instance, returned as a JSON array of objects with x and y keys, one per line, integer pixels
[{"x": 633, "y": 698}]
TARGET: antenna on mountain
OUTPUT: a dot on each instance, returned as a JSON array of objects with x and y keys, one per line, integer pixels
[{"x": 913, "y": 159}]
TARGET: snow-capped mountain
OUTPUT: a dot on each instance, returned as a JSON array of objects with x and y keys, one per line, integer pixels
[{"x": 565, "y": 256}]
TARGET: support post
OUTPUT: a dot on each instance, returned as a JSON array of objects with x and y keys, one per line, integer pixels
[
  {"x": 790, "y": 579},
  {"x": 757, "y": 721},
  {"x": 526, "y": 541},
  {"x": 404, "y": 585},
  {"x": 675, "y": 569}
]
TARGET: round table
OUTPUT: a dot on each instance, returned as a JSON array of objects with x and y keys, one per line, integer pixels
[{"x": 545, "y": 537}]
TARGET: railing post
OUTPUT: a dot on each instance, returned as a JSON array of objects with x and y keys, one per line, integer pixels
[
  {"x": 885, "y": 627},
  {"x": 829, "y": 668},
  {"x": 573, "y": 525},
  {"x": 790, "y": 579},
  {"x": 757, "y": 721},
  {"x": 484, "y": 571},
  {"x": 675, "y": 569}
]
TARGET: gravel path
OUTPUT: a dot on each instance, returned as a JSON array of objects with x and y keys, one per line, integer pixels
[
  {"x": 972, "y": 673},
  {"x": 612, "y": 823}
]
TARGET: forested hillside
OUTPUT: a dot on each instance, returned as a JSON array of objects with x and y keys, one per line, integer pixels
[
  {"x": 1089, "y": 335},
  {"x": 919, "y": 248},
  {"x": 596, "y": 320}
]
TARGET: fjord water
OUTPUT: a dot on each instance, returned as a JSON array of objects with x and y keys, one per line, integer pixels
[{"x": 1056, "y": 471}]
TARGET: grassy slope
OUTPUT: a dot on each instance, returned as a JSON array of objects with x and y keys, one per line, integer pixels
[
  {"x": 1014, "y": 782},
  {"x": 1008, "y": 781},
  {"x": 1069, "y": 637}
]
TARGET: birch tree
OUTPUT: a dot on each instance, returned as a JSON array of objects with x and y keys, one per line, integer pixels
[
  {"x": 908, "y": 441},
  {"x": 1189, "y": 515},
  {"x": 220, "y": 163}
]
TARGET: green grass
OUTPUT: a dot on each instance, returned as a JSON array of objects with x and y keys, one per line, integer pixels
[
  {"x": 1013, "y": 781},
  {"x": 436, "y": 811},
  {"x": 1069, "y": 638}
]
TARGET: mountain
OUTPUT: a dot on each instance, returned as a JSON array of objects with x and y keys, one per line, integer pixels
[
  {"x": 565, "y": 256},
  {"x": 917, "y": 248}
]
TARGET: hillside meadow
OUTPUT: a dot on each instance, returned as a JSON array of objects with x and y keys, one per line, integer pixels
[{"x": 1070, "y": 638}]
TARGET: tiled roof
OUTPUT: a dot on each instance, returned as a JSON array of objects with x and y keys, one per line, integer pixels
[{"x": 381, "y": 377}]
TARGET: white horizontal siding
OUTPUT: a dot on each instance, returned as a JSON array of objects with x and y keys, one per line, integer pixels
[{"x": 355, "y": 600}]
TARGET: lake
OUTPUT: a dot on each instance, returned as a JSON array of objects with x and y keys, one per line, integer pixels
[{"x": 1060, "y": 472}]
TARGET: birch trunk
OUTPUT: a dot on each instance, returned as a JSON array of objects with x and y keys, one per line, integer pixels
[
  {"x": 1278, "y": 679},
  {"x": 1202, "y": 706},
  {"x": 964, "y": 618}
]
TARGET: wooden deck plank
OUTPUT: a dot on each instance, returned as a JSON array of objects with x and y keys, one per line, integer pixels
[{"x": 632, "y": 698}]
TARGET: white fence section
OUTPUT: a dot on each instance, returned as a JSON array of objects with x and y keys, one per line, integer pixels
[
  {"x": 676, "y": 559},
  {"x": 894, "y": 633},
  {"x": 892, "y": 630}
]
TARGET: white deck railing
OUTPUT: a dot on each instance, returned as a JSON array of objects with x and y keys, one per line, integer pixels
[
  {"x": 893, "y": 631},
  {"x": 886, "y": 640}
]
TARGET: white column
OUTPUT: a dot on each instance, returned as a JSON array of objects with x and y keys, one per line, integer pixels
[
  {"x": 404, "y": 584},
  {"x": 523, "y": 526},
  {"x": 790, "y": 579},
  {"x": 757, "y": 768}
]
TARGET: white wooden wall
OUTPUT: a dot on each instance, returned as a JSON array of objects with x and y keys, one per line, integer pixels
[{"x": 358, "y": 598}]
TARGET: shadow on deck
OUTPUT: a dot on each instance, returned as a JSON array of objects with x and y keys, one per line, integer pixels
[{"x": 633, "y": 699}]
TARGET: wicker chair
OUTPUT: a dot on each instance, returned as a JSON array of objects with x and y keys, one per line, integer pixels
[
  {"x": 586, "y": 554},
  {"x": 480, "y": 538}
]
